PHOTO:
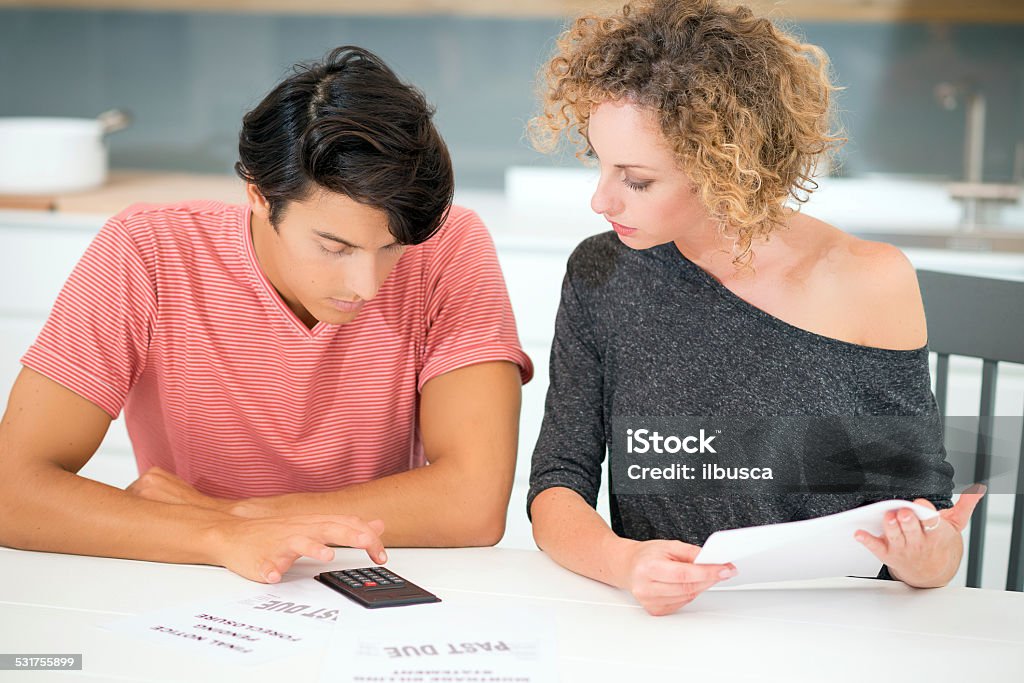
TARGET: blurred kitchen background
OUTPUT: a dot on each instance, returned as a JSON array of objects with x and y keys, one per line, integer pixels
[
  {"x": 190, "y": 76},
  {"x": 933, "y": 105}
]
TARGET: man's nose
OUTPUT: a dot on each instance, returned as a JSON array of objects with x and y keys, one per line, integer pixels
[{"x": 365, "y": 279}]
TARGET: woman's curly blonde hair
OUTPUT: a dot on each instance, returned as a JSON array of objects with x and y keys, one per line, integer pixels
[{"x": 744, "y": 105}]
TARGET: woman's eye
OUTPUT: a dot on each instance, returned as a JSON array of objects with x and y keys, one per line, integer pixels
[{"x": 633, "y": 185}]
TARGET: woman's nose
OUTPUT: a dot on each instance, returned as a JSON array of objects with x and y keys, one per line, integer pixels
[{"x": 604, "y": 201}]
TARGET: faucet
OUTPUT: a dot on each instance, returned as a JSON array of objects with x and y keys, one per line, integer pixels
[{"x": 972, "y": 191}]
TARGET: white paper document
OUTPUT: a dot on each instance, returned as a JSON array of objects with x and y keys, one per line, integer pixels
[
  {"x": 274, "y": 621},
  {"x": 442, "y": 643},
  {"x": 808, "y": 549}
]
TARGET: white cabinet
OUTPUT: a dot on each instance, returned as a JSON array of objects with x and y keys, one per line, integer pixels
[
  {"x": 37, "y": 253},
  {"x": 534, "y": 281},
  {"x": 16, "y": 334},
  {"x": 34, "y": 263}
]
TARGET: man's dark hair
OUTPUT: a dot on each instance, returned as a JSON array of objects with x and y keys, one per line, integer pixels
[{"x": 347, "y": 124}]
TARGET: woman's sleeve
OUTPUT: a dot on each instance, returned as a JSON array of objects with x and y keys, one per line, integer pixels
[
  {"x": 899, "y": 387},
  {"x": 897, "y": 391},
  {"x": 572, "y": 440}
]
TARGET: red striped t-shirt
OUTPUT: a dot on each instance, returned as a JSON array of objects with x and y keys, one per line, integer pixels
[{"x": 168, "y": 316}]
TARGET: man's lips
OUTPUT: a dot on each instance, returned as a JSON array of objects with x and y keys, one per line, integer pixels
[{"x": 347, "y": 306}]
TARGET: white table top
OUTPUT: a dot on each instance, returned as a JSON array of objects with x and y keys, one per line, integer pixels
[{"x": 824, "y": 630}]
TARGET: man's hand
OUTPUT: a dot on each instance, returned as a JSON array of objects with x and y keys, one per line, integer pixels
[
  {"x": 264, "y": 549},
  {"x": 160, "y": 485},
  {"x": 662, "y": 577},
  {"x": 925, "y": 554}
]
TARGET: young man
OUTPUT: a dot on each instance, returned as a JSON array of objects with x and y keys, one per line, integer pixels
[{"x": 286, "y": 368}]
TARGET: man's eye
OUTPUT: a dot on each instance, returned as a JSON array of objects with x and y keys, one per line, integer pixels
[{"x": 344, "y": 251}]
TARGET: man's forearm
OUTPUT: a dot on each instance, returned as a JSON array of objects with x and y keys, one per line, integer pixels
[
  {"x": 433, "y": 506},
  {"x": 469, "y": 425},
  {"x": 50, "y": 509}
]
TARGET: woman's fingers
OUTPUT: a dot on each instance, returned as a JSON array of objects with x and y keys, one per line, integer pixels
[
  {"x": 875, "y": 544},
  {"x": 892, "y": 532},
  {"x": 677, "y": 591},
  {"x": 663, "y": 583},
  {"x": 663, "y": 609},
  {"x": 910, "y": 525},
  {"x": 670, "y": 571},
  {"x": 678, "y": 550},
  {"x": 960, "y": 514}
]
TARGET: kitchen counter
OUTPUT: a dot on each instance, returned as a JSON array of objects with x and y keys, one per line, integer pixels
[
  {"x": 547, "y": 210},
  {"x": 131, "y": 187},
  {"x": 515, "y": 228}
]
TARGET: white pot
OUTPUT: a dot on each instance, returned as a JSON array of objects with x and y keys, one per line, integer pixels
[{"x": 52, "y": 155}]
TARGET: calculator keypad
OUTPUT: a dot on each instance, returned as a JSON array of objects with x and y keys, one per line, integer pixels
[{"x": 369, "y": 578}]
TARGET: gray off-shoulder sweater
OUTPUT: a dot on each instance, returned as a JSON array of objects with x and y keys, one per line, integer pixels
[{"x": 651, "y": 333}]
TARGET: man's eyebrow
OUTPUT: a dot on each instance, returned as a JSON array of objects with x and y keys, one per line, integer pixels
[{"x": 339, "y": 240}]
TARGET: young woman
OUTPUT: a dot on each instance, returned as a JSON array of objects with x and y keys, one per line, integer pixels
[{"x": 711, "y": 297}]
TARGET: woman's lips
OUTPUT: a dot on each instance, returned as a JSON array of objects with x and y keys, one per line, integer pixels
[
  {"x": 622, "y": 229},
  {"x": 347, "y": 306}
]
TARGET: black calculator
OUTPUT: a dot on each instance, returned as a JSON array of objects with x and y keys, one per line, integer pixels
[{"x": 375, "y": 587}]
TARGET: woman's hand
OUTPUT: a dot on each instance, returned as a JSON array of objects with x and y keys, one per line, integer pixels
[
  {"x": 662, "y": 577},
  {"x": 264, "y": 549},
  {"x": 925, "y": 554}
]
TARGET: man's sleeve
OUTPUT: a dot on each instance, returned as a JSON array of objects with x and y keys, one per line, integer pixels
[
  {"x": 468, "y": 312},
  {"x": 96, "y": 339},
  {"x": 572, "y": 440}
]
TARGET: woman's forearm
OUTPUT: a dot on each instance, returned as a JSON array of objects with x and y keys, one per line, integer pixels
[{"x": 574, "y": 535}]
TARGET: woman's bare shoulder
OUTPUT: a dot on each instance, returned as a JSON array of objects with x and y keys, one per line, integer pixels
[{"x": 874, "y": 282}]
